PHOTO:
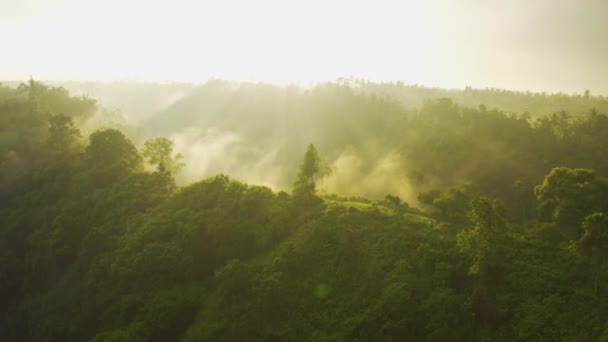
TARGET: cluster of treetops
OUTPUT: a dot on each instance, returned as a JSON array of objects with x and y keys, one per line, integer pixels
[
  {"x": 98, "y": 243},
  {"x": 144, "y": 98}
]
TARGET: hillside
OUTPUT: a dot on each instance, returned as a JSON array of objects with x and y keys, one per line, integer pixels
[{"x": 478, "y": 225}]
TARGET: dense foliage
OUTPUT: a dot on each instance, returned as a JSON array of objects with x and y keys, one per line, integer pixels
[{"x": 504, "y": 240}]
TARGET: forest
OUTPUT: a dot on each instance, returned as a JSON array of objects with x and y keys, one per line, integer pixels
[{"x": 343, "y": 211}]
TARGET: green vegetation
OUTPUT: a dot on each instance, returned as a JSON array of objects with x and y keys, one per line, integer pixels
[{"x": 501, "y": 233}]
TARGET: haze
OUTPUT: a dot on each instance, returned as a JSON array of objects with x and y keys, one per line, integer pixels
[{"x": 524, "y": 45}]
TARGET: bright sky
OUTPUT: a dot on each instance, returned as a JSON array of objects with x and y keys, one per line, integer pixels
[{"x": 548, "y": 45}]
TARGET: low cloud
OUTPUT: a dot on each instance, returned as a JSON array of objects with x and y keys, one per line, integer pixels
[
  {"x": 353, "y": 175},
  {"x": 208, "y": 152}
]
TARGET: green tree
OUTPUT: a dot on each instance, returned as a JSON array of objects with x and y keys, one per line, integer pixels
[
  {"x": 111, "y": 156},
  {"x": 63, "y": 135},
  {"x": 480, "y": 243},
  {"x": 566, "y": 196},
  {"x": 428, "y": 197},
  {"x": 394, "y": 200},
  {"x": 452, "y": 203},
  {"x": 304, "y": 189},
  {"x": 159, "y": 152},
  {"x": 593, "y": 244}
]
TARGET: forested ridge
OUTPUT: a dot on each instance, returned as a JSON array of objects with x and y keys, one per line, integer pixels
[{"x": 460, "y": 221}]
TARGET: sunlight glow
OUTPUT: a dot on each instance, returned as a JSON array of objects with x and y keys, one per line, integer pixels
[
  {"x": 542, "y": 45},
  {"x": 268, "y": 40}
]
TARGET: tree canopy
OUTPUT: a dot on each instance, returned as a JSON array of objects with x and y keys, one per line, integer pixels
[
  {"x": 495, "y": 226},
  {"x": 159, "y": 153}
]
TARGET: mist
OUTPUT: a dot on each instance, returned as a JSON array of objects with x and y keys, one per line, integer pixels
[
  {"x": 290, "y": 170},
  {"x": 211, "y": 151},
  {"x": 303, "y": 170},
  {"x": 258, "y": 132}
]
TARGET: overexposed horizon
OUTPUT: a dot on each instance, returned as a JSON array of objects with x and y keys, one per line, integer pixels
[{"x": 552, "y": 46}]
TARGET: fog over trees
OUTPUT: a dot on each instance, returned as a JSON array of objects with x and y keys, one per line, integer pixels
[{"x": 347, "y": 210}]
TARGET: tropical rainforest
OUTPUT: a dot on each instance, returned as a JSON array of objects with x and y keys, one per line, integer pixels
[{"x": 343, "y": 211}]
